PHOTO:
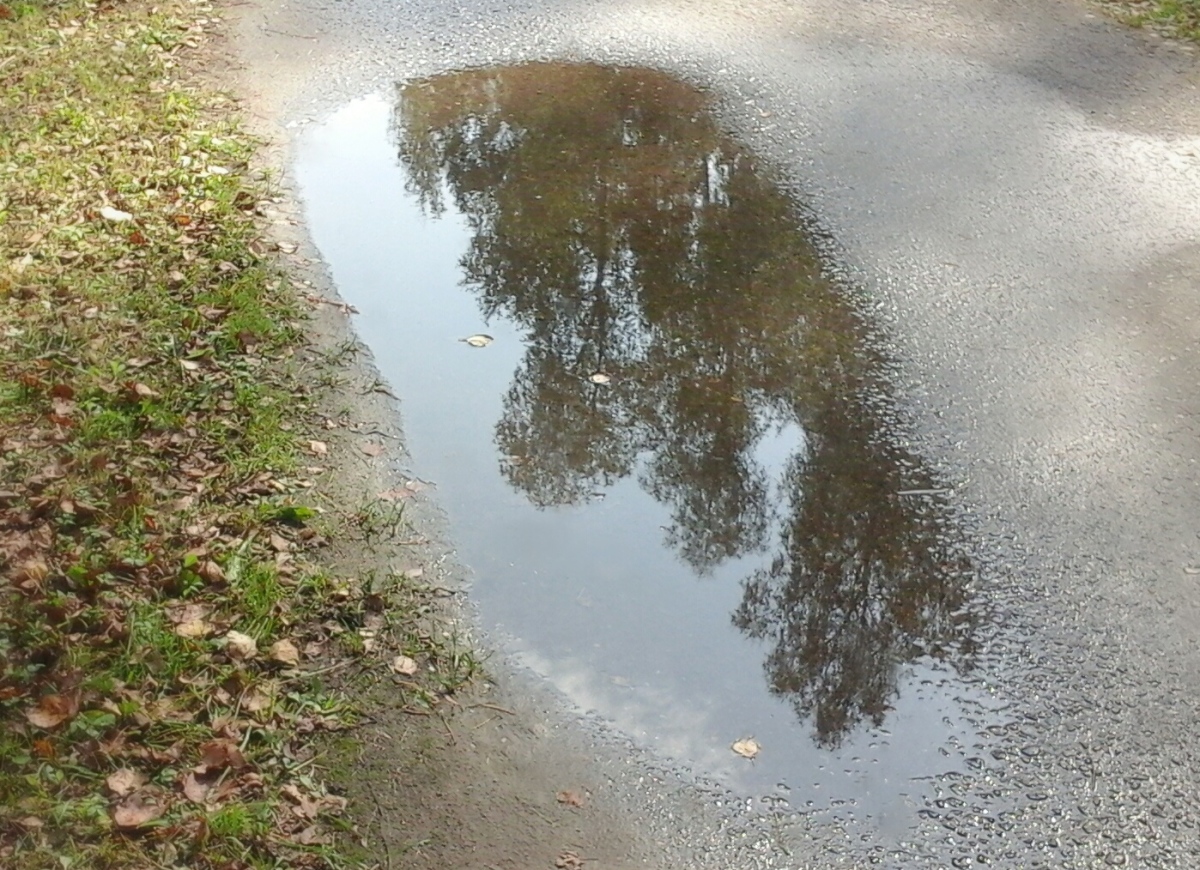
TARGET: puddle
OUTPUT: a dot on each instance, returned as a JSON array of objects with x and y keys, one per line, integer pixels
[{"x": 671, "y": 470}]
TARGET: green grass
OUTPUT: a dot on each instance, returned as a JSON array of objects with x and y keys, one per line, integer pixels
[
  {"x": 1179, "y": 18},
  {"x": 150, "y": 422}
]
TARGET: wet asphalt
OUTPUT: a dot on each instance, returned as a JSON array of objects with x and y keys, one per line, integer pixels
[{"x": 1013, "y": 191}]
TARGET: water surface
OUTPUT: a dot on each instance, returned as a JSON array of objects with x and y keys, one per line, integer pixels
[{"x": 672, "y": 470}]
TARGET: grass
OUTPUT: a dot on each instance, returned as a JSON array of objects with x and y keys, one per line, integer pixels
[
  {"x": 161, "y": 617},
  {"x": 1178, "y": 18}
]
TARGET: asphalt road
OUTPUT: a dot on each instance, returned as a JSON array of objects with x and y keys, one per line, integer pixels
[{"x": 1015, "y": 189}]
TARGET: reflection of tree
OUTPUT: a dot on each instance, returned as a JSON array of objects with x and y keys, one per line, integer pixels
[{"x": 613, "y": 222}]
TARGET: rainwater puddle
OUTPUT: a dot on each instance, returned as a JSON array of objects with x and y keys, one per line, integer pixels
[{"x": 670, "y": 470}]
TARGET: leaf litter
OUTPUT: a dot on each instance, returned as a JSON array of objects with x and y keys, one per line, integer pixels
[{"x": 159, "y": 591}]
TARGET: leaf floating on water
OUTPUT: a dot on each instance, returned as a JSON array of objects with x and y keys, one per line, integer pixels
[
  {"x": 600, "y": 378},
  {"x": 747, "y": 747},
  {"x": 480, "y": 340}
]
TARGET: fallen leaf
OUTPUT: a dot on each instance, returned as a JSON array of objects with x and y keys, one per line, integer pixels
[
  {"x": 1191, "y": 569},
  {"x": 318, "y": 448},
  {"x": 570, "y": 797},
  {"x": 115, "y": 214},
  {"x": 240, "y": 646},
  {"x": 196, "y": 628},
  {"x": 124, "y": 781},
  {"x": 194, "y": 789},
  {"x": 371, "y": 449},
  {"x": 310, "y": 836},
  {"x": 479, "y": 340},
  {"x": 218, "y": 755},
  {"x": 279, "y": 543},
  {"x": 211, "y": 571},
  {"x": 286, "y": 247},
  {"x": 135, "y": 812},
  {"x": 404, "y": 665},
  {"x": 396, "y": 494},
  {"x": 747, "y": 747},
  {"x": 285, "y": 652},
  {"x": 144, "y": 392},
  {"x": 306, "y": 807},
  {"x": 52, "y": 710},
  {"x": 600, "y": 378},
  {"x": 569, "y": 860}
]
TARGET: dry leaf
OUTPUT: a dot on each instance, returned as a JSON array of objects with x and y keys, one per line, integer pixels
[
  {"x": 195, "y": 628},
  {"x": 115, "y": 214},
  {"x": 569, "y": 860},
  {"x": 404, "y": 665},
  {"x": 372, "y": 449},
  {"x": 479, "y": 340},
  {"x": 135, "y": 812},
  {"x": 218, "y": 755},
  {"x": 747, "y": 747},
  {"x": 570, "y": 797},
  {"x": 600, "y": 378},
  {"x": 53, "y": 710},
  {"x": 280, "y": 544},
  {"x": 211, "y": 571},
  {"x": 318, "y": 448},
  {"x": 285, "y": 652},
  {"x": 195, "y": 790},
  {"x": 124, "y": 781},
  {"x": 306, "y": 807},
  {"x": 240, "y": 646}
]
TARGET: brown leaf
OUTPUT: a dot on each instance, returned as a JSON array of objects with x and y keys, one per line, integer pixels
[
  {"x": 306, "y": 807},
  {"x": 372, "y": 449},
  {"x": 218, "y": 755},
  {"x": 211, "y": 571},
  {"x": 404, "y": 665},
  {"x": 280, "y": 544},
  {"x": 53, "y": 710},
  {"x": 125, "y": 781},
  {"x": 318, "y": 448},
  {"x": 196, "y": 628},
  {"x": 570, "y": 797},
  {"x": 747, "y": 747},
  {"x": 310, "y": 836},
  {"x": 195, "y": 789},
  {"x": 135, "y": 812},
  {"x": 140, "y": 391},
  {"x": 569, "y": 860},
  {"x": 240, "y": 646},
  {"x": 285, "y": 652}
]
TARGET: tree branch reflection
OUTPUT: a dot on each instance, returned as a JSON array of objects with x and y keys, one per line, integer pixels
[{"x": 615, "y": 224}]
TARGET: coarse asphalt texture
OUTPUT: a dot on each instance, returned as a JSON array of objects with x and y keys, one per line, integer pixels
[{"x": 1014, "y": 188}]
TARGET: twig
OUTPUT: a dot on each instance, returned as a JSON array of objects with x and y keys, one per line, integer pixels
[
  {"x": 924, "y": 491},
  {"x": 495, "y": 707},
  {"x": 285, "y": 33},
  {"x": 446, "y": 725}
]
